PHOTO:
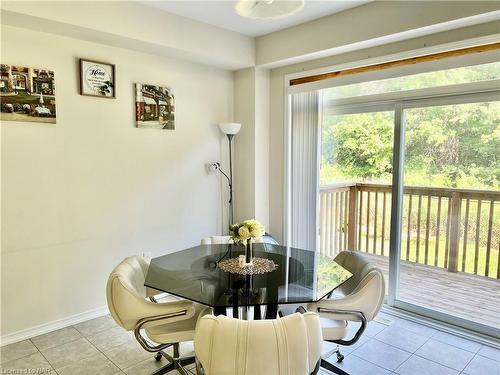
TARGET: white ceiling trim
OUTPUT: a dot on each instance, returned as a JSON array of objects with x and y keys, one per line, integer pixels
[{"x": 387, "y": 39}]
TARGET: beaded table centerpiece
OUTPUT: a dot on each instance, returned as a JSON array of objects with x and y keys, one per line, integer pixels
[{"x": 258, "y": 266}]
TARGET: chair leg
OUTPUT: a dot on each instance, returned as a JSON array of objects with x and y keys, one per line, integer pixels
[
  {"x": 199, "y": 368},
  {"x": 175, "y": 362},
  {"x": 163, "y": 370},
  {"x": 340, "y": 356},
  {"x": 176, "y": 354},
  {"x": 330, "y": 367}
]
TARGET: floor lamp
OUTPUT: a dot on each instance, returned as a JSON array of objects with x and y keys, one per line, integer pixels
[{"x": 230, "y": 129}]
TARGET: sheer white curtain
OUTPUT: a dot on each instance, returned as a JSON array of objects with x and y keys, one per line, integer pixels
[{"x": 304, "y": 179}]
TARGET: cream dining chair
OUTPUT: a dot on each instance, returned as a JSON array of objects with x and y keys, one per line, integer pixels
[
  {"x": 283, "y": 346},
  {"x": 359, "y": 300},
  {"x": 216, "y": 240},
  {"x": 165, "y": 324}
]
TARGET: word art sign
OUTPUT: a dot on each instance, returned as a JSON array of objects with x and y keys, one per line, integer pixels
[{"x": 97, "y": 79}]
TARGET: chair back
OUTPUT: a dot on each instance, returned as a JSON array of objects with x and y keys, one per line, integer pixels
[
  {"x": 216, "y": 240},
  {"x": 283, "y": 346},
  {"x": 267, "y": 238},
  {"x": 366, "y": 288},
  {"x": 126, "y": 293}
]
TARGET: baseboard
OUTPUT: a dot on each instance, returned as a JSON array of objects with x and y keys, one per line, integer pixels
[{"x": 27, "y": 333}]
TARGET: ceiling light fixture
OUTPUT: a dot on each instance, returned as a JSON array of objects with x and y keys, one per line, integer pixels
[{"x": 268, "y": 9}]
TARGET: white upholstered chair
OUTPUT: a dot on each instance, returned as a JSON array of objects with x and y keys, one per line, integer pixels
[
  {"x": 216, "y": 240},
  {"x": 357, "y": 300},
  {"x": 165, "y": 324},
  {"x": 283, "y": 346}
]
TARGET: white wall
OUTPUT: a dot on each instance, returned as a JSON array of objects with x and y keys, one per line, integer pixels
[
  {"x": 262, "y": 146},
  {"x": 80, "y": 195},
  {"x": 277, "y": 128},
  {"x": 251, "y": 167},
  {"x": 244, "y": 145}
]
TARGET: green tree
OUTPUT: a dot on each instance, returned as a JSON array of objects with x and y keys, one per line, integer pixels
[
  {"x": 453, "y": 145},
  {"x": 359, "y": 145},
  {"x": 459, "y": 145}
]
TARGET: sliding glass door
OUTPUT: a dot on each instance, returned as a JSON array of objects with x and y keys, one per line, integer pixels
[
  {"x": 407, "y": 171},
  {"x": 450, "y": 238}
]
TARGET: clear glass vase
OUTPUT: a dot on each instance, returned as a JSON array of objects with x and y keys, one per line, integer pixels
[{"x": 249, "y": 251}]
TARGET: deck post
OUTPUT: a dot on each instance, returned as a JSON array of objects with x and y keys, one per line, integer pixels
[
  {"x": 353, "y": 217},
  {"x": 456, "y": 204}
]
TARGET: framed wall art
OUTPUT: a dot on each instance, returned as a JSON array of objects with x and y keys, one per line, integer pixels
[
  {"x": 154, "y": 107},
  {"x": 97, "y": 79},
  {"x": 27, "y": 94}
]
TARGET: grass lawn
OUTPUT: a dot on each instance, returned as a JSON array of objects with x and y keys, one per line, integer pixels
[{"x": 24, "y": 98}]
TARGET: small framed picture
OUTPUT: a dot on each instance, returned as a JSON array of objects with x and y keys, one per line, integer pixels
[
  {"x": 154, "y": 107},
  {"x": 97, "y": 79}
]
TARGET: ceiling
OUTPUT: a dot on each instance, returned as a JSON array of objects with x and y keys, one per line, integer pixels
[{"x": 222, "y": 14}]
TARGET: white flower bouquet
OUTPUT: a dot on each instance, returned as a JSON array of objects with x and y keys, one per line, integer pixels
[{"x": 243, "y": 232}]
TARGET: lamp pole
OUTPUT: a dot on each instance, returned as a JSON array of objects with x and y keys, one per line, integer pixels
[
  {"x": 231, "y": 208},
  {"x": 230, "y": 129}
]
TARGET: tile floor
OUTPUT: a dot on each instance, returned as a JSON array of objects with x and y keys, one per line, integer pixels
[{"x": 390, "y": 345}]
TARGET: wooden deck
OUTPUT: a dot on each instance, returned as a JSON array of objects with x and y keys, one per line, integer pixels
[
  {"x": 455, "y": 229},
  {"x": 471, "y": 297}
]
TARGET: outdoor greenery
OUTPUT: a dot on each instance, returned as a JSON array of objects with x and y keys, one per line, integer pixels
[
  {"x": 474, "y": 73},
  {"x": 448, "y": 146},
  {"x": 357, "y": 147},
  {"x": 331, "y": 274}
]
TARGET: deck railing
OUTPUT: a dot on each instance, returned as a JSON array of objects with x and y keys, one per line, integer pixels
[{"x": 455, "y": 229}]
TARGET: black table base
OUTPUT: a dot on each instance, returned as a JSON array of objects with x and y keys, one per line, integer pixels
[
  {"x": 271, "y": 311},
  {"x": 220, "y": 310}
]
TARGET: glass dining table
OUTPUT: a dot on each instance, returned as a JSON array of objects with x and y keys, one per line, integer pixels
[{"x": 299, "y": 276}]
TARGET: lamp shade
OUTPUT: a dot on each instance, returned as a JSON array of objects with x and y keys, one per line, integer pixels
[{"x": 230, "y": 128}]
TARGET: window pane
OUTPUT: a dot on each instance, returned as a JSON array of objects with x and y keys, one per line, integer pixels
[
  {"x": 357, "y": 147},
  {"x": 466, "y": 74},
  {"x": 453, "y": 146},
  {"x": 355, "y": 178},
  {"x": 451, "y": 210}
]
